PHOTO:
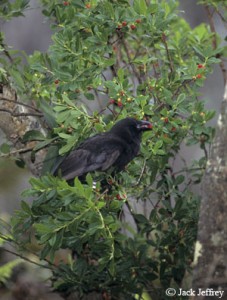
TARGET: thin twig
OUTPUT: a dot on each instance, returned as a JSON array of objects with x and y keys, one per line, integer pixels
[
  {"x": 19, "y": 103},
  {"x": 21, "y": 114},
  {"x": 141, "y": 173},
  {"x": 6, "y": 52},
  {"x": 26, "y": 259},
  {"x": 221, "y": 16},
  {"x": 212, "y": 26},
  {"x": 98, "y": 98},
  {"x": 137, "y": 75},
  {"x": 18, "y": 151},
  {"x": 214, "y": 43},
  {"x": 168, "y": 54},
  {"x": 184, "y": 83}
]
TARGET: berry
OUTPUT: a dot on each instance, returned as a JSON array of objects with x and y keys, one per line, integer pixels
[
  {"x": 133, "y": 26},
  {"x": 112, "y": 101},
  {"x": 66, "y": 3},
  {"x": 119, "y": 197},
  {"x": 138, "y": 21},
  {"x": 124, "y": 23},
  {"x": 199, "y": 76},
  {"x": 166, "y": 120},
  {"x": 173, "y": 129},
  {"x": 115, "y": 48},
  {"x": 56, "y": 81},
  {"x": 200, "y": 66},
  {"x": 88, "y": 5},
  {"x": 119, "y": 104},
  {"x": 110, "y": 181}
]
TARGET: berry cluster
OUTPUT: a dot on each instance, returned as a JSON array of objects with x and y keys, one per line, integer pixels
[
  {"x": 200, "y": 74},
  {"x": 132, "y": 26},
  {"x": 122, "y": 98}
]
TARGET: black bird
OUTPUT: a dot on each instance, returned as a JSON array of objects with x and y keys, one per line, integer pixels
[{"x": 115, "y": 148}]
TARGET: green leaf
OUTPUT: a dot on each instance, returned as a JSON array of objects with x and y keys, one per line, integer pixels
[
  {"x": 112, "y": 267},
  {"x": 33, "y": 135},
  {"x": 49, "y": 113},
  {"x": 79, "y": 186},
  {"x": 6, "y": 270},
  {"x": 66, "y": 148},
  {"x": 43, "y": 228},
  {"x": 26, "y": 207},
  {"x": 181, "y": 98},
  {"x": 140, "y": 218},
  {"x": 18, "y": 78},
  {"x": 43, "y": 144},
  {"x": 5, "y": 148},
  {"x": 89, "y": 96},
  {"x": 179, "y": 179},
  {"x": 50, "y": 159},
  {"x": 120, "y": 75},
  {"x": 140, "y": 7},
  {"x": 199, "y": 51},
  {"x": 89, "y": 180}
]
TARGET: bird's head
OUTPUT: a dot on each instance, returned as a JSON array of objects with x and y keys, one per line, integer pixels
[
  {"x": 143, "y": 125},
  {"x": 130, "y": 126}
]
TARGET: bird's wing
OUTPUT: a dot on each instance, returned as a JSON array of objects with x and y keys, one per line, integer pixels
[{"x": 94, "y": 154}]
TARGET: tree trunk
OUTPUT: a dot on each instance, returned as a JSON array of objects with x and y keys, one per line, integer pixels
[{"x": 210, "y": 272}]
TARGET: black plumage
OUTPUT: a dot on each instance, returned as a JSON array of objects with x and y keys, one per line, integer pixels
[{"x": 115, "y": 148}]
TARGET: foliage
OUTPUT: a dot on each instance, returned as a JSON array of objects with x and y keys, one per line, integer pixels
[
  {"x": 128, "y": 58},
  {"x": 7, "y": 269}
]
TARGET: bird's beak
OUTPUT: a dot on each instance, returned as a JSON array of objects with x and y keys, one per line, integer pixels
[{"x": 144, "y": 125}]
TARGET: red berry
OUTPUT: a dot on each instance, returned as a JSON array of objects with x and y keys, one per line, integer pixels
[
  {"x": 88, "y": 5},
  {"x": 66, "y": 3},
  {"x": 115, "y": 48},
  {"x": 118, "y": 197},
  {"x": 124, "y": 23},
  {"x": 112, "y": 101},
  {"x": 56, "y": 81},
  {"x": 120, "y": 104},
  {"x": 199, "y": 76},
  {"x": 110, "y": 181},
  {"x": 166, "y": 120},
  {"x": 138, "y": 21},
  {"x": 173, "y": 129},
  {"x": 200, "y": 66},
  {"x": 133, "y": 26}
]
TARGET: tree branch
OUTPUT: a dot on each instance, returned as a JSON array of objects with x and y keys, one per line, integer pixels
[
  {"x": 214, "y": 43},
  {"x": 16, "y": 118}
]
